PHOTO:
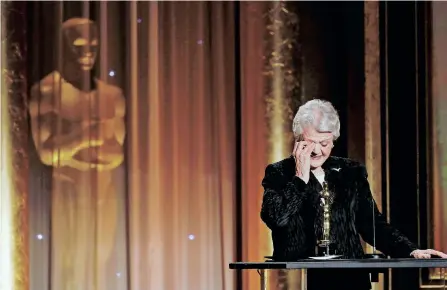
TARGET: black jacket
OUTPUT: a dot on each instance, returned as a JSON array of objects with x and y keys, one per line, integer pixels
[{"x": 290, "y": 208}]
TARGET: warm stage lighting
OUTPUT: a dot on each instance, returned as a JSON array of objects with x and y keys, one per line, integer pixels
[{"x": 6, "y": 249}]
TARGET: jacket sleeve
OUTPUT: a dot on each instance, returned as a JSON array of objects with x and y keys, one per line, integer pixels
[
  {"x": 282, "y": 198},
  {"x": 389, "y": 240}
]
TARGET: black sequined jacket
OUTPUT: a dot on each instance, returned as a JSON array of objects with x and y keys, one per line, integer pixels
[
  {"x": 292, "y": 211},
  {"x": 290, "y": 208}
]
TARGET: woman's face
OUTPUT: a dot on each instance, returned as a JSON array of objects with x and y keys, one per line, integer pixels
[{"x": 324, "y": 142}]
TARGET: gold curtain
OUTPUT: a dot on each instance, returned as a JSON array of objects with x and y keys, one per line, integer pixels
[
  {"x": 256, "y": 241},
  {"x": 132, "y": 113},
  {"x": 271, "y": 92},
  {"x": 438, "y": 224},
  {"x": 372, "y": 120},
  {"x": 181, "y": 146},
  {"x": 14, "y": 222}
]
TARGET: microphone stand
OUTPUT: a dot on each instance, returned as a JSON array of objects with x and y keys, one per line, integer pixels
[
  {"x": 374, "y": 255},
  {"x": 374, "y": 274}
]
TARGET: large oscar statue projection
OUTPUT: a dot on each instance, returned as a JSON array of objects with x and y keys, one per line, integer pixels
[{"x": 78, "y": 129}]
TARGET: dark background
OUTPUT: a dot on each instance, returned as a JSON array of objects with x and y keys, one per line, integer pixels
[{"x": 332, "y": 37}]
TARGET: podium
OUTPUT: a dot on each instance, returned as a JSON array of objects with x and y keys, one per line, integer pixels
[{"x": 375, "y": 266}]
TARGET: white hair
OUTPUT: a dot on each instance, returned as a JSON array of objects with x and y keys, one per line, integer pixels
[{"x": 308, "y": 113}]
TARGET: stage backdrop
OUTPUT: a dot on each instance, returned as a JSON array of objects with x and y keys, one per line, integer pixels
[
  {"x": 135, "y": 135},
  {"x": 143, "y": 130},
  {"x": 130, "y": 119}
]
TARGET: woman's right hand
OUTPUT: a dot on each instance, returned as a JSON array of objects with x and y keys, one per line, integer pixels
[{"x": 301, "y": 153}]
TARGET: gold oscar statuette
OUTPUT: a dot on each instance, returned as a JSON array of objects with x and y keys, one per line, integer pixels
[{"x": 325, "y": 242}]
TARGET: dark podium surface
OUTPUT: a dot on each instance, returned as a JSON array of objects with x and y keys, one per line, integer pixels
[
  {"x": 374, "y": 266},
  {"x": 343, "y": 264}
]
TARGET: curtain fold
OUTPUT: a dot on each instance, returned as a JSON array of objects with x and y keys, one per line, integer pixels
[
  {"x": 181, "y": 146},
  {"x": 132, "y": 113},
  {"x": 438, "y": 109},
  {"x": 256, "y": 242}
]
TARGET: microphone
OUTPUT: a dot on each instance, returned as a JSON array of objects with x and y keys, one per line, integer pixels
[{"x": 374, "y": 254}]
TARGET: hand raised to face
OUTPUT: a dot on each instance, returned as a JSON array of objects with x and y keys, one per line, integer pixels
[
  {"x": 301, "y": 153},
  {"x": 323, "y": 145}
]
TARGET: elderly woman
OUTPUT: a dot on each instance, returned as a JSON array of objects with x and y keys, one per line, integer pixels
[{"x": 292, "y": 206}]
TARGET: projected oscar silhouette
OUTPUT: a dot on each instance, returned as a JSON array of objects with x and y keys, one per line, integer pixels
[{"x": 78, "y": 128}]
